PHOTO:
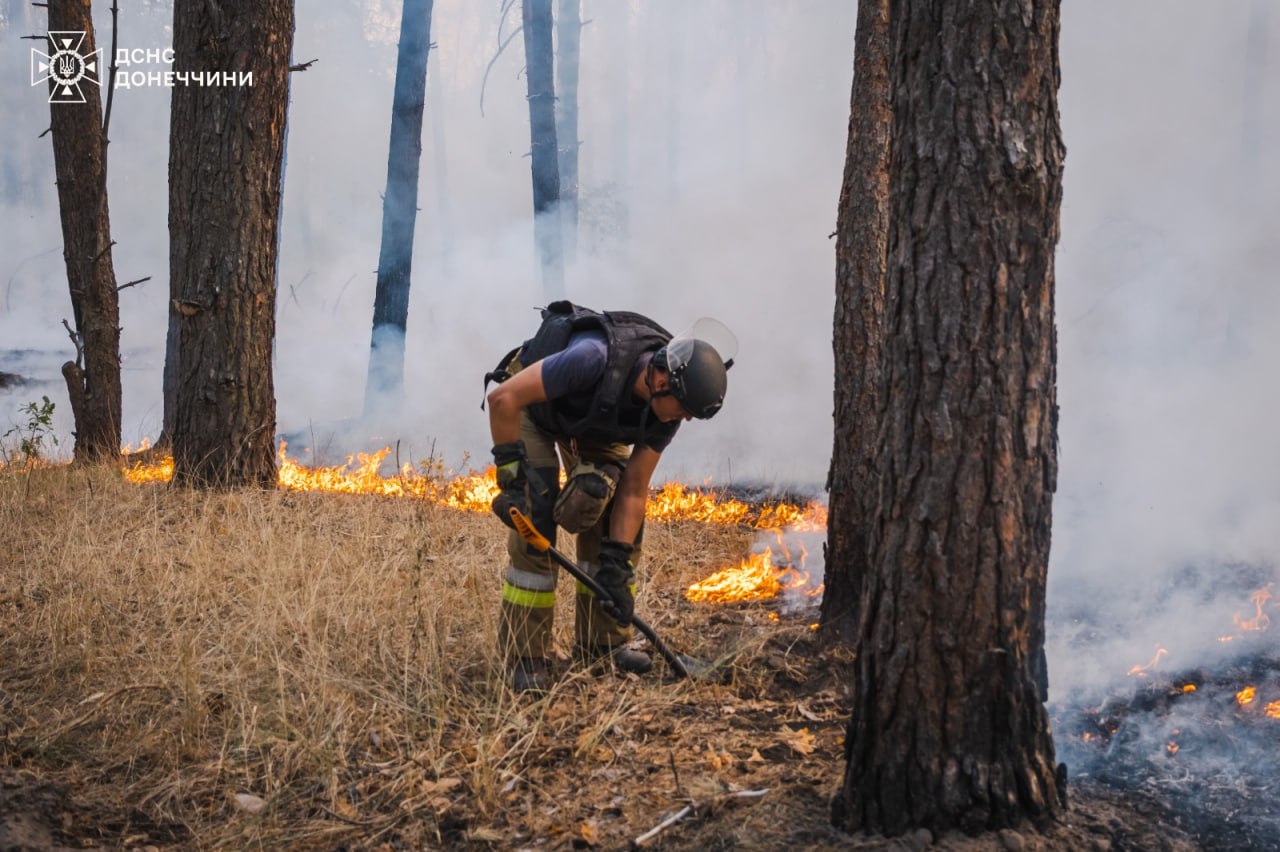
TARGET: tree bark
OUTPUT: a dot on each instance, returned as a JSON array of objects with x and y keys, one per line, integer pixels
[
  {"x": 948, "y": 726},
  {"x": 384, "y": 388},
  {"x": 80, "y": 163},
  {"x": 862, "y": 231},
  {"x": 226, "y": 146},
  {"x": 544, "y": 150},
  {"x": 568, "y": 32}
]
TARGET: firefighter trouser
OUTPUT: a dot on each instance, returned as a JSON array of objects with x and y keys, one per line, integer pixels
[{"x": 529, "y": 583}]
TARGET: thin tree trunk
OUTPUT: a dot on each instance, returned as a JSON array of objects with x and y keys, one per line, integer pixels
[
  {"x": 948, "y": 726},
  {"x": 568, "y": 32},
  {"x": 80, "y": 163},
  {"x": 384, "y": 389},
  {"x": 443, "y": 226},
  {"x": 544, "y": 150},
  {"x": 226, "y": 149},
  {"x": 620, "y": 120},
  {"x": 862, "y": 231}
]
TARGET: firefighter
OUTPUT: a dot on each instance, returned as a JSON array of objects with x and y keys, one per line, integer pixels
[{"x": 608, "y": 390}]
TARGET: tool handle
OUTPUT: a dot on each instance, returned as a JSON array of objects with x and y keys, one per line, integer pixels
[{"x": 539, "y": 542}]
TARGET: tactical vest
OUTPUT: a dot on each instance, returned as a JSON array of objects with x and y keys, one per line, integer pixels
[{"x": 592, "y": 415}]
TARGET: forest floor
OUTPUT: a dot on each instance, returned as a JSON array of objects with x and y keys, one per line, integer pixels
[{"x": 318, "y": 671}]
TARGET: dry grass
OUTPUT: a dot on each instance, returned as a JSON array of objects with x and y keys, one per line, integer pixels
[{"x": 162, "y": 651}]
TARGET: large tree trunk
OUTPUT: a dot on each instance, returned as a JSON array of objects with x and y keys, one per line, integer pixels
[
  {"x": 862, "y": 230},
  {"x": 226, "y": 146},
  {"x": 544, "y": 150},
  {"x": 385, "y": 386},
  {"x": 948, "y": 726},
  {"x": 80, "y": 163},
  {"x": 568, "y": 31}
]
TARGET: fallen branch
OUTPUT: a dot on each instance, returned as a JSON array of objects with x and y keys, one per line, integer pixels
[
  {"x": 93, "y": 711},
  {"x": 663, "y": 826}
]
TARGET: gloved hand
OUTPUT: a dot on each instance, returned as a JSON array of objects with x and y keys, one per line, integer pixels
[
  {"x": 511, "y": 462},
  {"x": 616, "y": 574}
]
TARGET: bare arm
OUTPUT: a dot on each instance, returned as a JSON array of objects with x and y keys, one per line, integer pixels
[
  {"x": 632, "y": 494},
  {"x": 508, "y": 399}
]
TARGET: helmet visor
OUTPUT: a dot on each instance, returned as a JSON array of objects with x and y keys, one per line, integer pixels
[{"x": 709, "y": 331}]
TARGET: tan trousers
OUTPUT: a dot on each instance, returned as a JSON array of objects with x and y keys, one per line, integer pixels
[{"x": 529, "y": 583}]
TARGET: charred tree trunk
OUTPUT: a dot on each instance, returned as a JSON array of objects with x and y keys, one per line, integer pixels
[
  {"x": 948, "y": 726},
  {"x": 226, "y": 147},
  {"x": 80, "y": 163},
  {"x": 385, "y": 386},
  {"x": 544, "y": 150},
  {"x": 862, "y": 231},
  {"x": 568, "y": 31}
]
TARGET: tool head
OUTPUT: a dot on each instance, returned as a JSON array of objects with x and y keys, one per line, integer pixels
[
  {"x": 699, "y": 670},
  {"x": 528, "y": 531}
]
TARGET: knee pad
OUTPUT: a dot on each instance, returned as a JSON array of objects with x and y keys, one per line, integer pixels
[{"x": 587, "y": 492}]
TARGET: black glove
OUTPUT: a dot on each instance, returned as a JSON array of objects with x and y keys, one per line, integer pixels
[
  {"x": 511, "y": 462},
  {"x": 615, "y": 575}
]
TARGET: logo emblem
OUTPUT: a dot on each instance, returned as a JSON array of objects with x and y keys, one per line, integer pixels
[{"x": 67, "y": 66}]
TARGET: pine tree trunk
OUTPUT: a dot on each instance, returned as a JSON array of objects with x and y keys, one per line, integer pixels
[
  {"x": 862, "y": 230},
  {"x": 385, "y": 386},
  {"x": 948, "y": 726},
  {"x": 544, "y": 150},
  {"x": 80, "y": 163},
  {"x": 568, "y": 31},
  {"x": 226, "y": 146}
]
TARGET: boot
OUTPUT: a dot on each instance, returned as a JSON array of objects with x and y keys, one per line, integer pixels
[
  {"x": 531, "y": 675},
  {"x": 624, "y": 659}
]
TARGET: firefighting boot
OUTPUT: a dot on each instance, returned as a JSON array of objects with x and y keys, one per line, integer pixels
[{"x": 531, "y": 675}]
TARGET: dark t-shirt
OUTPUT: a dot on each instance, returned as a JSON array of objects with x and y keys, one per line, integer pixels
[{"x": 578, "y": 368}]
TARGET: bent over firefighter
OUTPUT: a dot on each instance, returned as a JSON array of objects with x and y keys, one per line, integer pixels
[{"x": 607, "y": 391}]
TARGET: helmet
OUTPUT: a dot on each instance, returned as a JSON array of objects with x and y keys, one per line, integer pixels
[{"x": 699, "y": 375}]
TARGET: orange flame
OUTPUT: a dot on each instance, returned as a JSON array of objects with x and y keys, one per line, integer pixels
[
  {"x": 1273, "y": 709},
  {"x": 756, "y": 578},
  {"x": 1246, "y": 695},
  {"x": 474, "y": 491}
]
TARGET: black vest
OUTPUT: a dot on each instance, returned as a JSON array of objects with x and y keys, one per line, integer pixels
[{"x": 594, "y": 414}]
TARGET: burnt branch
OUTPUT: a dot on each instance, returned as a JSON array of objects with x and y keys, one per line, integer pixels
[
  {"x": 76, "y": 341},
  {"x": 303, "y": 66},
  {"x": 485, "y": 79}
]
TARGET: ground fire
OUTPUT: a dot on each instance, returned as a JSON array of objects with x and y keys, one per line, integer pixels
[{"x": 760, "y": 576}]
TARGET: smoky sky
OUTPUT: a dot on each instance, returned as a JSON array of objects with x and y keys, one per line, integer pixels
[{"x": 712, "y": 145}]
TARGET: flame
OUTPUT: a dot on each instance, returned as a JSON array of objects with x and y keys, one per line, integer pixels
[
  {"x": 677, "y": 502},
  {"x": 1190, "y": 687},
  {"x": 1246, "y": 695},
  {"x": 758, "y": 577},
  {"x": 1260, "y": 620},
  {"x": 1172, "y": 747},
  {"x": 474, "y": 491},
  {"x": 1141, "y": 671},
  {"x": 1273, "y": 709}
]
